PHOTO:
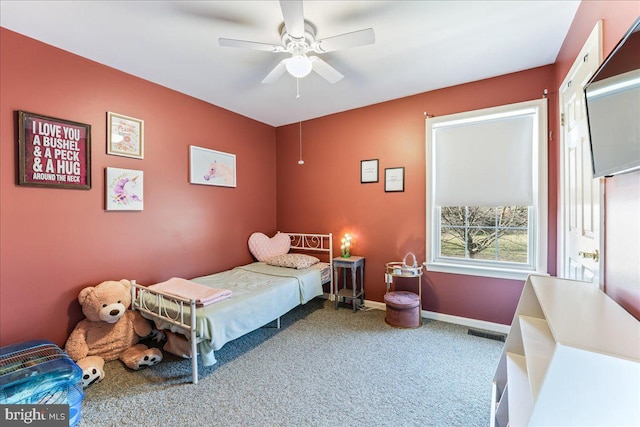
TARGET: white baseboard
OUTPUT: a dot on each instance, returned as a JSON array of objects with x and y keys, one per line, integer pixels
[
  {"x": 374, "y": 304},
  {"x": 464, "y": 321}
]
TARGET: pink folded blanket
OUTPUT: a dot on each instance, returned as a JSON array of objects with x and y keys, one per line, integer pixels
[{"x": 190, "y": 290}]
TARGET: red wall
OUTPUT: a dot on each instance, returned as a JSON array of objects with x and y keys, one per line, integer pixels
[
  {"x": 325, "y": 194},
  {"x": 622, "y": 193},
  {"x": 622, "y": 245},
  {"x": 53, "y": 242},
  {"x": 387, "y": 225}
]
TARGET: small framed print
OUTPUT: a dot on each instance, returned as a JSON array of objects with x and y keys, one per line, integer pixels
[
  {"x": 124, "y": 189},
  {"x": 125, "y": 136},
  {"x": 394, "y": 180},
  {"x": 368, "y": 171},
  {"x": 211, "y": 167}
]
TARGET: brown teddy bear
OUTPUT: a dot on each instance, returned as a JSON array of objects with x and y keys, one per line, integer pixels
[{"x": 110, "y": 331}]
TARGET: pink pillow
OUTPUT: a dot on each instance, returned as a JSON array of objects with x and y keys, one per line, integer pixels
[{"x": 262, "y": 247}]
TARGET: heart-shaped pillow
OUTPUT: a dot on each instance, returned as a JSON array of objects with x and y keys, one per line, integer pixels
[{"x": 262, "y": 247}]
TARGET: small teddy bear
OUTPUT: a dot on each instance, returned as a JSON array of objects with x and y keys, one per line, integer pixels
[{"x": 110, "y": 331}]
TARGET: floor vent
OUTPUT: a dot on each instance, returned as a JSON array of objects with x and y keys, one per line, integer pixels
[{"x": 486, "y": 334}]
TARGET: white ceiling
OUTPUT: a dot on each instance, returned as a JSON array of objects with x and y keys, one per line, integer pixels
[{"x": 420, "y": 46}]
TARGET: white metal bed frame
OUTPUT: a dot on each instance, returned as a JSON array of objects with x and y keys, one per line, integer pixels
[{"x": 171, "y": 309}]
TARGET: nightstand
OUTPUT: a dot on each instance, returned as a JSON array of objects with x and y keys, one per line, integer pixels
[{"x": 353, "y": 263}]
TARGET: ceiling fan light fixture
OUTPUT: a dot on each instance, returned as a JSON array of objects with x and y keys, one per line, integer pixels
[
  {"x": 298, "y": 38},
  {"x": 299, "y": 66}
]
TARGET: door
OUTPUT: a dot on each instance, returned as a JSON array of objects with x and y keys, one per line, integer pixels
[{"x": 580, "y": 251}]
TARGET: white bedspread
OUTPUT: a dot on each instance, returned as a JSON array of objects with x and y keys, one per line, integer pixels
[{"x": 260, "y": 294}]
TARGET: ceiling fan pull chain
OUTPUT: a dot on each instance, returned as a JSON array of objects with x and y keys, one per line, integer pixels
[{"x": 300, "y": 162}]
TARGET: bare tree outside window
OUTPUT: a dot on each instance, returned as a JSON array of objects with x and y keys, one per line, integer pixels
[{"x": 481, "y": 233}]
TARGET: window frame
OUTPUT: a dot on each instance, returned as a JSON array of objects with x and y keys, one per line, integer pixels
[{"x": 538, "y": 237}]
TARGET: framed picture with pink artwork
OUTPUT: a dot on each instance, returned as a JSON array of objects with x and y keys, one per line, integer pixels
[
  {"x": 211, "y": 167},
  {"x": 124, "y": 189},
  {"x": 125, "y": 136}
]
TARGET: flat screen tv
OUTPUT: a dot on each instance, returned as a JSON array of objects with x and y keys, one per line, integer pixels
[{"x": 613, "y": 108}]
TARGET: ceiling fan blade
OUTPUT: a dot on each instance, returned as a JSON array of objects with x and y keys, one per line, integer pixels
[
  {"x": 250, "y": 45},
  {"x": 325, "y": 70},
  {"x": 345, "y": 41},
  {"x": 276, "y": 73},
  {"x": 293, "y": 17}
]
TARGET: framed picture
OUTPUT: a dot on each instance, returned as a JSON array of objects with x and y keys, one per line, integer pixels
[
  {"x": 368, "y": 171},
  {"x": 211, "y": 167},
  {"x": 394, "y": 179},
  {"x": 53, "y": 152},
  {"x": 125, "y": 136},
  {"x": 124, "y": 189}
]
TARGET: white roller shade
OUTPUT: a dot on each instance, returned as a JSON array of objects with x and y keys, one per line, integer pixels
[{"x": 485, "y": 163}]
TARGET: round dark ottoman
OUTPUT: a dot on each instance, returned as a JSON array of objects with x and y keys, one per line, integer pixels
[{"x": 403, "y": 309}]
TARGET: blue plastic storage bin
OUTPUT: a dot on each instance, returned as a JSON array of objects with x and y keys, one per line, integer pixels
[{"x": 39, "y": 372}]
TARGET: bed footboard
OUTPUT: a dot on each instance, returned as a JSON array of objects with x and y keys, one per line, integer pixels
[{"x": 170, "y": 309}]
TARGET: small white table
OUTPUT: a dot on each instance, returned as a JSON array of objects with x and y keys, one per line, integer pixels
[{"x": 400, "y": 269}]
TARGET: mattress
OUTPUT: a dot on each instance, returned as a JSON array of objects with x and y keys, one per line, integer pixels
[
  {"x": 325, "y": 271},
  {"x": 260, "y": 294}
]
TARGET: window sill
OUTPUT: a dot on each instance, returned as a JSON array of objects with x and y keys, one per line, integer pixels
[{"x": 472, "y": 270}]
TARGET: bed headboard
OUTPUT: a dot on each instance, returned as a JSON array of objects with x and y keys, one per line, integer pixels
[{"x": 313, "y": 243}]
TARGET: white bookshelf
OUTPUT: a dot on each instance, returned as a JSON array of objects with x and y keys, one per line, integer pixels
[{"x": 572, "y": 358}]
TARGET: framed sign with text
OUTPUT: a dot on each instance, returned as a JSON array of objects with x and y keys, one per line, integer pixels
[
  {"x": 368, "y": 171},
  {"x": 394, "y": 180},
  {"x": 53, "y": 152}
]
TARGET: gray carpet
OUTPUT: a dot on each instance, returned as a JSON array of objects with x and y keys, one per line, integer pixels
[{"x": 324, "y": 367}]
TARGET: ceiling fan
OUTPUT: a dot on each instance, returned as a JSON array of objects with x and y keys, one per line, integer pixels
[{"x": 299, "y": 38}]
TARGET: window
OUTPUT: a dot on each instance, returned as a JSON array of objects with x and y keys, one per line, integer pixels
[
  {"x": 490, "y": 234},
  {"x": 486, "y": 191}
]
